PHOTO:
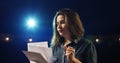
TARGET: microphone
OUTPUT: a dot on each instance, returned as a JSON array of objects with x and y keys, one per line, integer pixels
[{"x": 72, "y": 44}]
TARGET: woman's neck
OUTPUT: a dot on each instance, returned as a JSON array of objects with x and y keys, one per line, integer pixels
[{"x": 67, "y": 41}]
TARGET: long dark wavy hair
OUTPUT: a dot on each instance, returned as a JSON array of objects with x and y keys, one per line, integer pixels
[{"x": 73, "y": 22}]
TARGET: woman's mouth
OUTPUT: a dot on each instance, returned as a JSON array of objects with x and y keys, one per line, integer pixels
[{"x": 60, "y": 31}]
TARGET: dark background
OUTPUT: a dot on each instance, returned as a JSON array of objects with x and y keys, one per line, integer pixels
[{"x": 99, "y": 18}]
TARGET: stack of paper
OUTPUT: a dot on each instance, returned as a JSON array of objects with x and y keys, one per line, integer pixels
[{"x": 39, "y": 52}]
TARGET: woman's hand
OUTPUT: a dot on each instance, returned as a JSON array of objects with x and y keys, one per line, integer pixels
[{"x": 70, "y": 53}]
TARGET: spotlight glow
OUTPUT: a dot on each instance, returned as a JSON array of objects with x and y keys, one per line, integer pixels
[
  {"x": 31, "y": 22},
  {"x": 7, "y": 39},
  {"x": 30, "y": 39},
  {"x": 97, "y": 40}
]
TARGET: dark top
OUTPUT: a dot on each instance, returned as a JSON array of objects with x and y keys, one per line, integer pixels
[{"x": 85, "y": 52}]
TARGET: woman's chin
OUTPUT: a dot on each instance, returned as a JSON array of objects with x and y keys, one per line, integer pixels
[{"x": 61, "y": 34}]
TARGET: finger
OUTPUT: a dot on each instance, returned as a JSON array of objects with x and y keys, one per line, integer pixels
[
  {"x": 64, "y": 47},
  {"x": 70, "y": 49},
  {"x": 69, "y": 52}
]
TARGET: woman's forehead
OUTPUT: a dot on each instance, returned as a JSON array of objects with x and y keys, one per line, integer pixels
[{"x": 60, "y": 17}]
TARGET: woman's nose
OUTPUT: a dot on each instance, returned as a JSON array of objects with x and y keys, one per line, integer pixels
[{"x": 59, "y": 26}]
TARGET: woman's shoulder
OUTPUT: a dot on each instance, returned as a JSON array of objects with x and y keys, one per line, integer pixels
[{"x": 85, "y": 41}]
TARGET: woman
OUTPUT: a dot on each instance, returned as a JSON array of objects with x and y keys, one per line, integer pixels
[{"x": 68, "y": 44}]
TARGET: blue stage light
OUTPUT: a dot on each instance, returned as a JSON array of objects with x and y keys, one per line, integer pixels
[{"x": 31, "y": 22}]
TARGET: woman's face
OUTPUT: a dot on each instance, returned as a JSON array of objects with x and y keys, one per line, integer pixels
[{"x": 62, "y": 27}]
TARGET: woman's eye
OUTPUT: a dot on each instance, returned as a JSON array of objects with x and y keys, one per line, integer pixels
[{"x": 63, "y": 22}]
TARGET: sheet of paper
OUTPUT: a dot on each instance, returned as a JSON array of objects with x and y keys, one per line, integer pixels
[
  {"x": 35, "y": 57},
  {"x": 39, "y": 44},
  {"x": 41, "y": 48},
  {"x": 45, "y": 52}
]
